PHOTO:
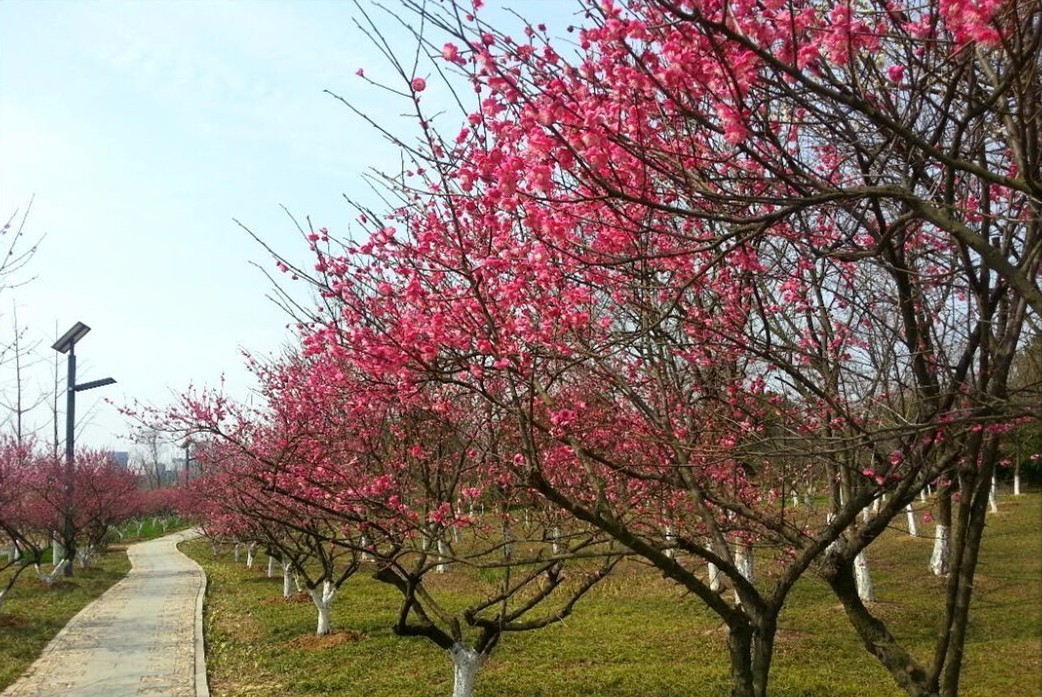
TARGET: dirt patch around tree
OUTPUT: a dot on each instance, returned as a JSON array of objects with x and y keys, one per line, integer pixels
[
  {"x": 296, "y": 598},
  {"x": 333, "y": 639},
  {"x": 13, "y": 621}
]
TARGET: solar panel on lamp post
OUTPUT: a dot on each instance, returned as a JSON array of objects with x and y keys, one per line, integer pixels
[{"x": 67, "y": 344}]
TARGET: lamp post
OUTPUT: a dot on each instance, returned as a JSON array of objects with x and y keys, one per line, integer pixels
[{"x": 67, "y": 344}]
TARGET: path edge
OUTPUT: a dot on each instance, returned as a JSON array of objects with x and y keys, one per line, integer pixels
[{"x": 202, "y": 685}]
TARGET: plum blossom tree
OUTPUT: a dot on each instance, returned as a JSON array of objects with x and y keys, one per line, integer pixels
[
  {"x": 252, "y": 465},
  {"x": 400, "y": 473},
  {"x": 23, "y": 544},
  {"x": 713, "y": 248},
  {"x": 106, "y": 496},
  {"x": 102, "y": 496}
]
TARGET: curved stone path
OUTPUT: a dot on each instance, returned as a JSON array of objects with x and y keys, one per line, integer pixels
[{"x": 142, "y": 637}]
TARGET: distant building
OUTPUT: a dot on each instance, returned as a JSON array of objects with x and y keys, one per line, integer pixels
[{"x": 121, "y": 458}]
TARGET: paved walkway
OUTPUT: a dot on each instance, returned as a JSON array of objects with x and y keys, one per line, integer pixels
[{"x": 142, "y": 637}]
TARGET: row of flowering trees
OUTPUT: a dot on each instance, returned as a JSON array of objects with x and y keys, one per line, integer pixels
[
  {"x": 338, "y": 473},
  {"x": 706, "y": 256},
  {"x": 37, "y": 497}
]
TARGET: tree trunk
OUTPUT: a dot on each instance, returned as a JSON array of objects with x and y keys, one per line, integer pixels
[
  {"x": 909, "y": 675},
  {"x": 249, "y": 554},
  {"x": 322, "y": 599},
  {"x": 763, "y": 653},
  {"x": 55, "y": 572},
  {"x": 835, "y": 543},
  {"x": 940, "y": 560},
  {"x": 287, "y": 580},
  {"x": 993, "y": 503},
  {"x": 913, "y": 527},
  {"x": 465, "y": 662},
  {"x": 86, "y": 556},
  {"x": 967, "y": 548},
  {"x": 671, "y": 542},
  {"x": 271, "y": 566},
  {"x": 715, "y": 583},
  {"x": 739, "y": 647},
  {"x": 57, "y": 551},
  {"x": 863, "y": 578},
  {"x": 743, "y": 561},
  {"x": 443, "y": 557}
]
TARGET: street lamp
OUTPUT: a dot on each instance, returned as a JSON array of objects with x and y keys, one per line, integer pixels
[{"x": 67, "y": 344}]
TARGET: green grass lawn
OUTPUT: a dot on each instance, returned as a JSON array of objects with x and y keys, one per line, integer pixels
[
  {"x": 33, "y": 612},
  {"x": 635, "y": 634}
]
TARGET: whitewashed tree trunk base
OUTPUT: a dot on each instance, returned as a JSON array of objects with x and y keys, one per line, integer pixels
[
  {"x": 271, "y": 567},
  {"x": 715, "y": 583},
  {"x": 671, "y": 542},
  {"x": 863, "y": 578},
  {"x": 86, "y": 556},
  {"x": 466, "y": 663},
  {"x": 743, "y": 561},
  {"x": 323, "y": 598},
  {"x": 913, "y": 526},
  {"x": 287, "y": 580},
  {"x": 50, "y": 577},
  {"x": 443, "y": 557},
  {"x": 835, "y": 543},
  {"x": 940, "y": 559}
]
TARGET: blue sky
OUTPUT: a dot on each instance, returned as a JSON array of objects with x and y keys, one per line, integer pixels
[{"x": 143, "y": 129}]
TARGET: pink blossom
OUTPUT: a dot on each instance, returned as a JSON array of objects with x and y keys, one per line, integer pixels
[
  {"x": 419, "y": 84},
  {"x": 896, "y": 73}
]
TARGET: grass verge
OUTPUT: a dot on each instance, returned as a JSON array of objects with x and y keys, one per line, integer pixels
[{"x": 636, "y": 634}]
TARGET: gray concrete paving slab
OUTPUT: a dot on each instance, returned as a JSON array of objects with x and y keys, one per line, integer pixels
[{"x": 142, "y": 637}]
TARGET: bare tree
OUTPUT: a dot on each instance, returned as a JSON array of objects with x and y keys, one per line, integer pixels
[{"x": 149, "y": 454}]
